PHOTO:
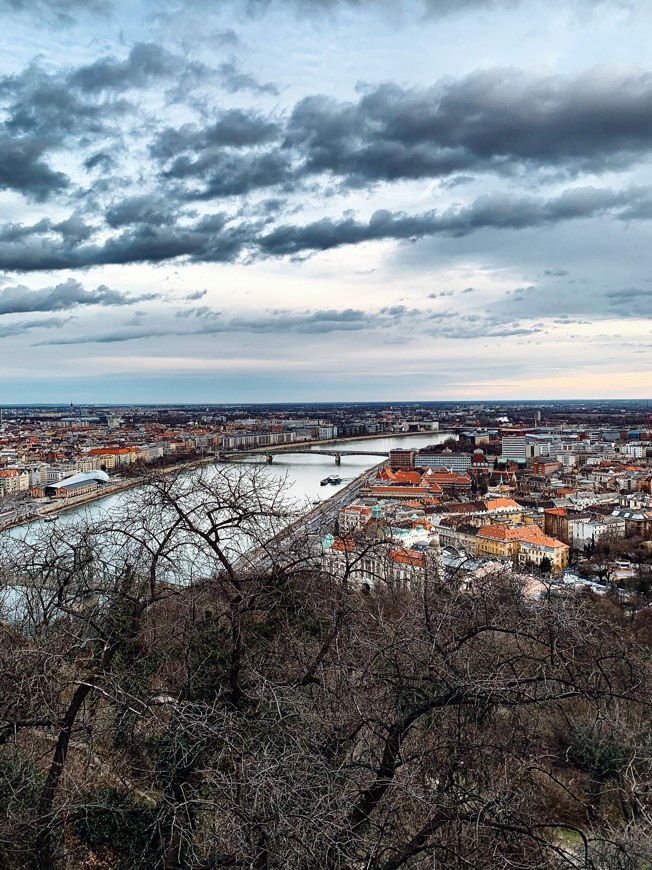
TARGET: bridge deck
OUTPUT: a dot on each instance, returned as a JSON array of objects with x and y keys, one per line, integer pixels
[{"x": 267, "y": 451}]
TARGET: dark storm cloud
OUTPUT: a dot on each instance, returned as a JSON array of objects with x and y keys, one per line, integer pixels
[
  {"x": 16, "y": 232},
  {"x": 145, "y": 63},
  {"x": 312, "y": 322},
  {"x": 24, "y": 169},
  {"x": 630, "y": 302},
  {"x": 48, "y": 108},
  {"x": 199, "y": 312},
  {"x": 318, "y": 322},
  {"x": 42, "y": 114},
  {"x": 69, "y": 294},
  {"x": 101, "y": 160},
  {"x": 153, "y": 245},
  {"x": 628, "y": 294},
  {"x": 219, "y": 238},
  {"x": 211, "y": 156},
  {"x": 149, "y": 209},
  {"x": 18, "y": 328},
  {"x": 487, "y": 121},
  {"x": 138, "y": 245},
  {"x": 235, "y": 80},
  {"x": 452, "y": 324},
  {"x": 227, "y": 176},
  {"x": 500, "y": 121},
  {"x": 73, "y": 230},
  {"x": 236, "y": 128},
  {"x": 487, "y": 212},
  {"x": 45, "y": 112},
  {"x": 109, "y": 337}
]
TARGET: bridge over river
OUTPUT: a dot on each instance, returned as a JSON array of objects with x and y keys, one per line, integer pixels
[{"x": 288, "y": 449}]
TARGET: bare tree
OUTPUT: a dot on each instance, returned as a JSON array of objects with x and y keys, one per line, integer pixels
[{"x": 183, "y": 686}]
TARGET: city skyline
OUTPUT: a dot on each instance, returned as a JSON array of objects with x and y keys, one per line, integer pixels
[{"x": 228, "y": 202}]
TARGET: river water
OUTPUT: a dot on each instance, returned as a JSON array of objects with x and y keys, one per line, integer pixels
[
  {"x": 304, "y": 472},
  {"x": 301, "y": 472}
]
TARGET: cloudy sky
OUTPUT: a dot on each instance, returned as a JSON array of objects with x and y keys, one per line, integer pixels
[{"x": 269, "y": 200}]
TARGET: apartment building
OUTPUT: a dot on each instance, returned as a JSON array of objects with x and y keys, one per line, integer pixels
[
  {"x": 14, "y": 480},
  {"x": 446, "y": 459}
]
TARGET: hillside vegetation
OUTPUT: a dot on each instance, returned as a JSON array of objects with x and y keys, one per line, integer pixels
[{"x": 166, "y": 704}]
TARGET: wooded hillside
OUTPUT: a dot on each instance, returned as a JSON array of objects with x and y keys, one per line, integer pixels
[{"x": 165, "y": 705}]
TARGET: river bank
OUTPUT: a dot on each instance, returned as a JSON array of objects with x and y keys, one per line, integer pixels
[
  {"x": 43, "y": 509},
  {"x": 307, "y": 465},
  {"x": 319, "y": 519}
]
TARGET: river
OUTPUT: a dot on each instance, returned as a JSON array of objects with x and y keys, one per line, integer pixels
[
  {"x": 302, "y": 472},
  {"x": 305, "y": 472}
]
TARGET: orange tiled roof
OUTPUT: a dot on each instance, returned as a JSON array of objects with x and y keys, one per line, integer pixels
[
  {"x": 531, "y": 534},
  {"x": 407, "y": 557},
  {"x": 402, "y": 476},
  {"x": 505, "y": 533},
  {"x": 105, "y": 451},
  {"x": 346, "y": 545},
  {"x": 545, "y": 541},
  {"x": 495, "y": 503},
  {"x": 447, "y": 477},
  {"x": 423, "y": 522}
]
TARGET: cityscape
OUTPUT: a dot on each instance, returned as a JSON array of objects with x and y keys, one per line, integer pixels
[
  {"x": 146, "y": 549},
  {"x": 565, "y": 489},
  {"x": 325, "y": 435}
]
